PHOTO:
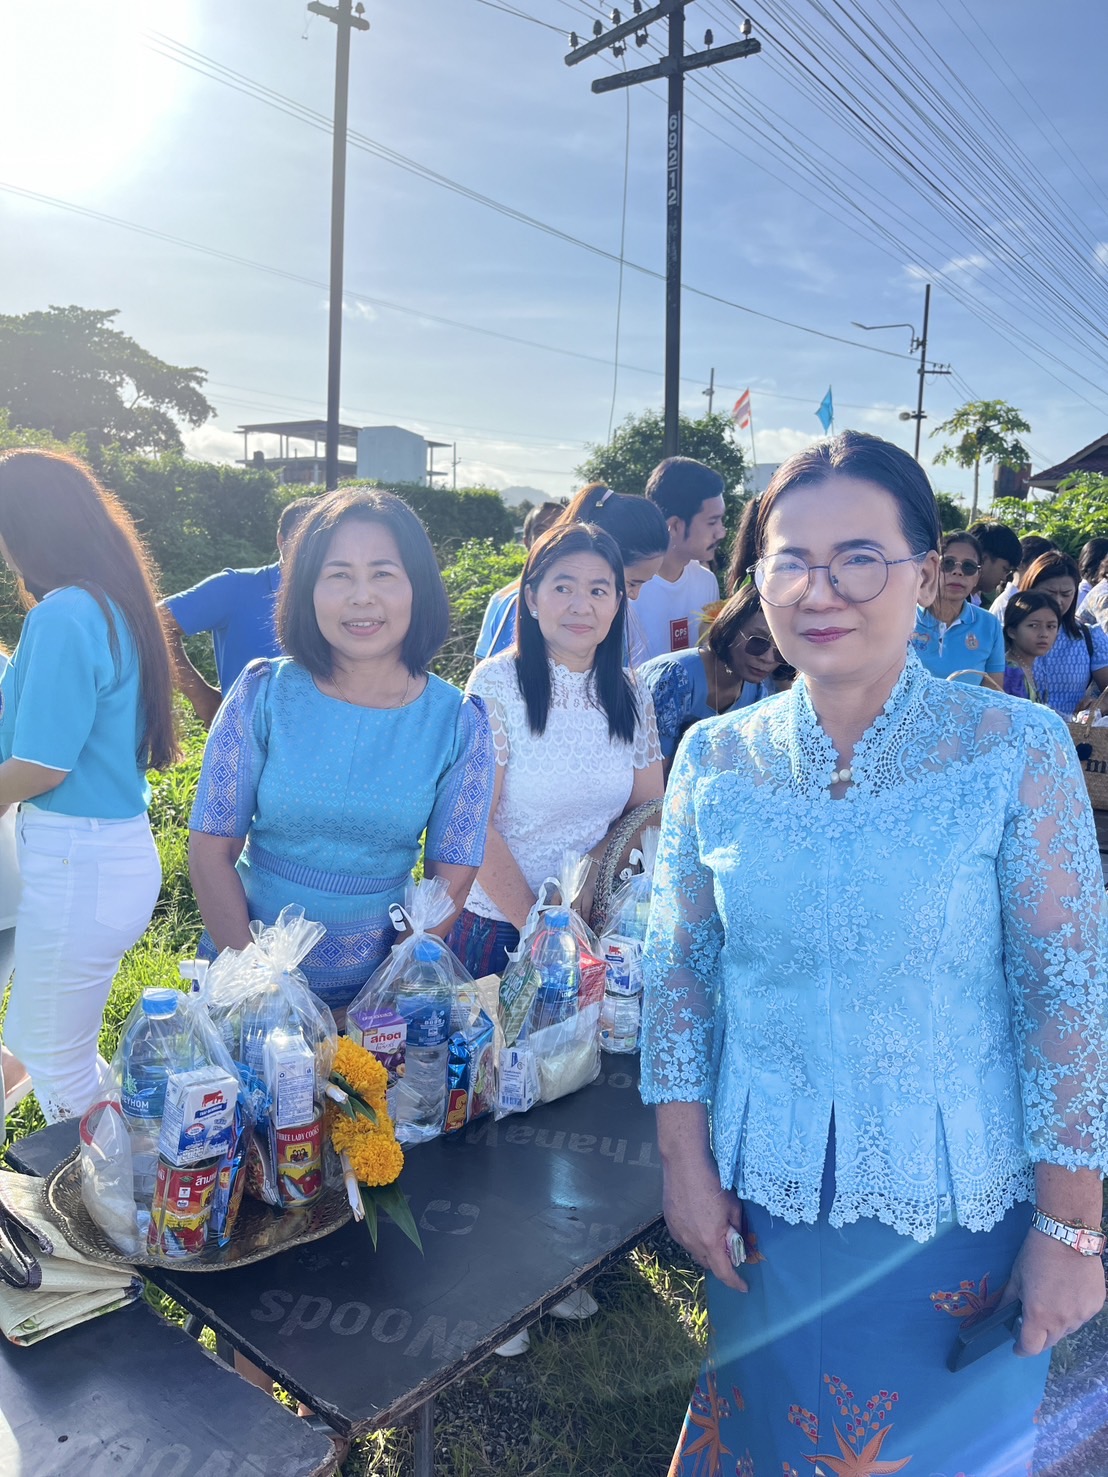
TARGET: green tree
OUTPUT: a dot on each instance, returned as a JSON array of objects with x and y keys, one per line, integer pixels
[
  {"x": 952, "y": 513},
  {"x": 69, "y": 372},
  {"x": 987, "y": 431},
  {"x": 636, "y": 449},
  {"x": 1078, "y": 511},
  {"x": 475, "y": 574}
]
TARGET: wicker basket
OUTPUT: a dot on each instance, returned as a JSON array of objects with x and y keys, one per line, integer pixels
[
  {"x": 1092, "y": 753},
  {"x": 617, "y": 855}
]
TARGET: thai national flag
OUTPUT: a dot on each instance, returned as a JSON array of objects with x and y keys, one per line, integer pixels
[{"x": 741, "y": 413}]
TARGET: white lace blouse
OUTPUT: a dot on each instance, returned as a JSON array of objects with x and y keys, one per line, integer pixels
[{"x": 562, "y": 790}]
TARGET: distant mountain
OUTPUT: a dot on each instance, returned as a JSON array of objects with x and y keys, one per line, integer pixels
[{"x": 513, "y": 496}]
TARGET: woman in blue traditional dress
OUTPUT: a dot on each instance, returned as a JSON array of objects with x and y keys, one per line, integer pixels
[
  {"x": 875, "y": 1018},
  {"x": 733, "y": 666},
  {"x": 324, "y": 768}
]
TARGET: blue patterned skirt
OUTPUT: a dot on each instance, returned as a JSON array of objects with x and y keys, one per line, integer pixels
[
  {"x": 482, "y": 944},
  {"x": 835, "y": 1362}
]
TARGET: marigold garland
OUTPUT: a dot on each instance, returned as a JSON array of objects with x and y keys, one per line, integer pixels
[{"x": 362, "y": 1070}]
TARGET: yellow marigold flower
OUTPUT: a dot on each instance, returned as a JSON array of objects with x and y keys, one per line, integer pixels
[{"x": 362, "y": 1070}]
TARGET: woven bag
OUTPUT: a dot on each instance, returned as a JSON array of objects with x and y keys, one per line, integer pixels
[
  {"x": 1092, "y": 752},
  {"x": 617, "y": 855}
]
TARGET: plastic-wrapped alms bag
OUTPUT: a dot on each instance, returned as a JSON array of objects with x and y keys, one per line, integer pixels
[
  {"x": 550, "y": 997},
  {"x": 415, "y": 1014},
  {"x": 175, "y": 1109},
  {"x": 624, "y": 929},
  {"x": 252, "y": 993}
]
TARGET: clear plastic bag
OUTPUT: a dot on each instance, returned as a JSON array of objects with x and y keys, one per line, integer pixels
[
  {"x": 550, "y": 998},
  {"x": 175, "y": 1118},
  {"x": 621, "y": 941},
  {"x": 411, "y": 1012},
  {"x": 283, "y": 1040}
]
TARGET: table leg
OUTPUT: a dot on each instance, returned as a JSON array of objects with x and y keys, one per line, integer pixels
[{"x": 424, "y": 1464}]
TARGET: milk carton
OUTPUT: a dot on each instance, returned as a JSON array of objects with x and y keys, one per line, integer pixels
[
  {"x": 290, "y": 1077},
  {"x": 198, "y": 1116}
]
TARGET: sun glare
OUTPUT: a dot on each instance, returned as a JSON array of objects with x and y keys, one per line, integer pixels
[{"x": 81, "y": 95}]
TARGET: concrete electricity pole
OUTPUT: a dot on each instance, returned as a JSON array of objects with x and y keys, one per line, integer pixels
[
  {"x": 673, "y": 68},
  {"x": 346, "y": 17}
]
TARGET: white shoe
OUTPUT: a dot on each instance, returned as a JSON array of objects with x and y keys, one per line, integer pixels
[
  {"x": 514, "y": 1346},
  {"x": 580, "y": 1304}
]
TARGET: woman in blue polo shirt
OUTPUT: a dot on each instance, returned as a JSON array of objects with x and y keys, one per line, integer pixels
[
  {"x": 85, "y": 710},
  {"x": 954, "y": 637}
]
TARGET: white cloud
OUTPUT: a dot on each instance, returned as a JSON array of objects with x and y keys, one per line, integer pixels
[{"x": 211, "y": 444}]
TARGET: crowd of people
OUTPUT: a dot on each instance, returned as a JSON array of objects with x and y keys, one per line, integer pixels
[{"x": 875, "y": 1015}]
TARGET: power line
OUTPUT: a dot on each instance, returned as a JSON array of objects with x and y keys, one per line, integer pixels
[{"x": 215, "y": 71}]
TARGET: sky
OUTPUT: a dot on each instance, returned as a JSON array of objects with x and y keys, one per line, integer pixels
[{"x": 173, "y": 162}]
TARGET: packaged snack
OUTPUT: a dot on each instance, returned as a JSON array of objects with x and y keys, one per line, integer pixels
[
  {"x": 470, "y": 1073},
  {"x": 406, "y": 1013}
]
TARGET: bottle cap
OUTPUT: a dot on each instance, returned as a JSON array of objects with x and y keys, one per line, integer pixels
[
  {"x": 557, "y": 918},
  {"x": 160, "y": 1002},
  {"x": 428, "y": 949}
]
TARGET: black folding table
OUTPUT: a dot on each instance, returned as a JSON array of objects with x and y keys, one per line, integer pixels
[{"x": 513, "y": 1216}]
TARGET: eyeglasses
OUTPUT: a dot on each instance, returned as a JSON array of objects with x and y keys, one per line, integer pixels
[
  {"x": 757, "y": 645},
  {"x": 858, "y": 575},
  {"x": 959, "y": 566}
]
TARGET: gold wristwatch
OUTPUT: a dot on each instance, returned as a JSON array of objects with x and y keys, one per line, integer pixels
[{"x": 1082, "y": 1239}]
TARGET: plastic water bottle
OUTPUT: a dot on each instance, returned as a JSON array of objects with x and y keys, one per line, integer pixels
[
  {"x": 554, "y": 955},
  {"x": 152, "y": 1048},
  {"x": 424, "y": 1001}
]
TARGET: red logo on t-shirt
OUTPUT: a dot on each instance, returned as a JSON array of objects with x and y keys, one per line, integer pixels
[{"x": 679, "y": 634}]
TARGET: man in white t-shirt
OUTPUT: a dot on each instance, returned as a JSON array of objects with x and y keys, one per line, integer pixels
[{"x": 669, "y": 607}]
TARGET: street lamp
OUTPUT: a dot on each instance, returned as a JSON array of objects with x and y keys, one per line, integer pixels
[{"x": 919, "y": 341}]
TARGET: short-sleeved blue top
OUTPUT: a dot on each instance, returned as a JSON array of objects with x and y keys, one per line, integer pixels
[
  {"x": 238, "y": 606},
  {"x": 332, "y": 800},
  {"x": 1066, "y": 671},
  {"x": 498, "y": 629},
  {"x": 678, "y": 684},
  {"x": 67, "y": 701},
  {"x": 973, "y": 642}
]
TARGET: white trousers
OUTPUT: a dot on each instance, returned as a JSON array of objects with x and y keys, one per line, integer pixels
[{"x": 89, "y": 888}]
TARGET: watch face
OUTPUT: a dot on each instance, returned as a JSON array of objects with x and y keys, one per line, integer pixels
[{"x": 1089, "y": 1243}]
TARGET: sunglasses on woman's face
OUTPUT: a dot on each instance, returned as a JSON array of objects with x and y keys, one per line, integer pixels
[
  {"x": 758, "y": 645},
  {"x": 959, "y": 566}
]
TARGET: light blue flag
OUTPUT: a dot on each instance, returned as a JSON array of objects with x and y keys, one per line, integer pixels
[{"x": 826, "y": 411}]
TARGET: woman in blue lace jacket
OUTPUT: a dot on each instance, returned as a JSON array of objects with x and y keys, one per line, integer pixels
[
  {"x": 324, "y": 768},
  {"x": 874, "y": 1017}
]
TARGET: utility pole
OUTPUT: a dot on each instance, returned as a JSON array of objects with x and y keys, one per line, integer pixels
[
  {"x": 918, "y": 342},
  {"x": 346, "y": 17},
  {"x": 711, "y": 390},
  {"x": 673, "y": 68}
]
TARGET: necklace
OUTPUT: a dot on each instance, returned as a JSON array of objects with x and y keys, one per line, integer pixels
[
  {"x": 402, "y": 703},
  {"x": 844, "y": 776},
  {"x": 712, "y": 666}
]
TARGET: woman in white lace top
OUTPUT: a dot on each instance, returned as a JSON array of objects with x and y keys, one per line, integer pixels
[
  {"x": 576, "y": 742},
  {"x": 875, "y": 1019}
]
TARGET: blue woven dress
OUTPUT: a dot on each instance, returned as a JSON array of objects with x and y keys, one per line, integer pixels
[
  {"x": 333, "y": 799},
  {"x": 894, "y": 1006}
]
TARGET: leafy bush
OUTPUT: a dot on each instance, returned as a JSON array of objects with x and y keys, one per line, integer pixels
[
  {"x": 1077, "y": 511},
  {"x": 474, "y": 576}
]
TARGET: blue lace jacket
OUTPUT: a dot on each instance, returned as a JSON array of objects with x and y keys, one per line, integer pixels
[{"x": 920, "y": 958}]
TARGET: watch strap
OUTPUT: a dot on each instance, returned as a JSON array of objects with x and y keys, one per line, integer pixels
[{"x": 1082, "y": 1239}]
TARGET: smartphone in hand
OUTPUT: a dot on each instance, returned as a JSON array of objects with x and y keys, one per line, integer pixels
[{"x": 1001, "y": 1326}]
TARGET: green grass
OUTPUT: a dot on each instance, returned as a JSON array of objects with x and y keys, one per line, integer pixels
[{"x": 600, "y": 1399}]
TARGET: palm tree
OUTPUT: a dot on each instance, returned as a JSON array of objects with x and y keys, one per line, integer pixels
[{"x": 987, "y": 432}]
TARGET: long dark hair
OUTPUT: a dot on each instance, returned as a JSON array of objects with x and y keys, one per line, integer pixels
[
  {"x": 637, "y": 525},
  {"x": 297, "y": 627},
  {"x": 611, "y": 685},
  {"x": 60, "y": 527},
  {"x": 744, "y": 551},
  {"x": 1054, "y": 565},
  {"x": 869, "y": 458}
]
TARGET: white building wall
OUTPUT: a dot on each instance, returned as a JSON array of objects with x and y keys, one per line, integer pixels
[{"x": 391, "y": 454}]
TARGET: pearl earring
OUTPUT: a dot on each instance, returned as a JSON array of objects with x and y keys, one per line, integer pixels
[{"x": 534, "y": 615}]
